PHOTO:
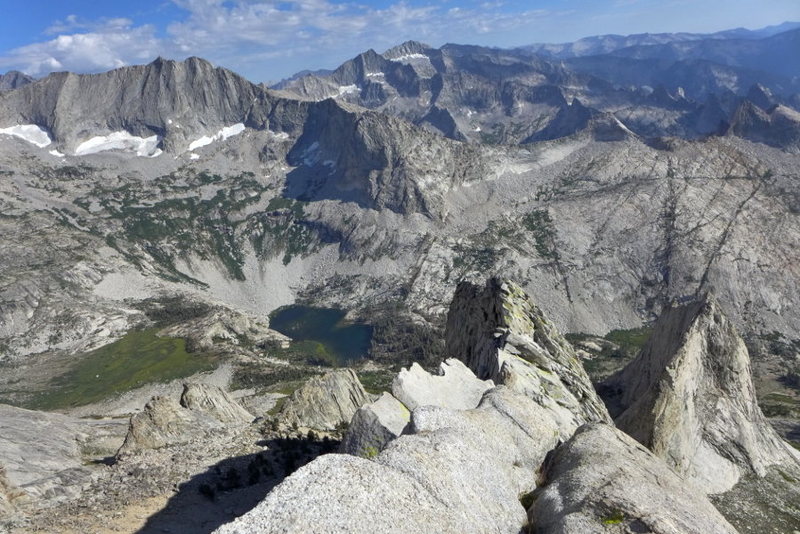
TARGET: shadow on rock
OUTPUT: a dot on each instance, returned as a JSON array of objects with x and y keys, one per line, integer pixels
[{"x": 234, "y": 486}]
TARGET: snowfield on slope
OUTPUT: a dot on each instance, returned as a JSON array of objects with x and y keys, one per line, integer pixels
[
  {"x": 224, "y": 133},
  {"x": 143, "y": 147},
  {"x": 29, "y": 132}
]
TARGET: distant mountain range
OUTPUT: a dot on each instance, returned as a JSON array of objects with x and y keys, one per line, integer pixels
[
  {"x": 604, "y": 44},
  {"x": 650, "y": 85}
]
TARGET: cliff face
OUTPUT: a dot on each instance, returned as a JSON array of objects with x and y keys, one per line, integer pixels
[
  {"x": 502, "y": 335},
  {"x": 689, "y": 397}
]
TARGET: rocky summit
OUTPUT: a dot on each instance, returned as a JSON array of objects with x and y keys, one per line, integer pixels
[
  {"x": 545, "y": 289},
  {"x": 508, "y": 464},
  {"x": 689, "y": 397}
]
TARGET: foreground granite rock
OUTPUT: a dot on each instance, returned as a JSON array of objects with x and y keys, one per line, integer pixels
[
  {"x": 374, "y": 425},
  {"x": 603, "y": 481},
  {"x": 8, "y": 494},
  {"x": 325, "y": 402},
  {"x": 502, "y": 335},
  {"x": 689, "y": 398},
  {"x": 453, "y": 470},
  {"x": 40, "y": 453},
  {"x": 455, "y": 387}
]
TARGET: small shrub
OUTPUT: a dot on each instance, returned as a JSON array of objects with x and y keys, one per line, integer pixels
[
  {"x": 614, "y": 519},
  {"x": 370, "y": 452}
]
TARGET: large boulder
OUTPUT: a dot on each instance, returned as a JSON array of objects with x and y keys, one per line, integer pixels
[
  {"x": 343, "y": 493},
  {"x": 325, "y": 402},
  {"x": 215, "y": 402},
  {"x": 689, "y": 398},
  {"x": 455, "y": 387},
  {"x": 203, "y": 408},
  {"x": 603, "y": 481},
  {"x": 374, "y": 425},
  {"x": 162, "y": 422},
  {"x": 502, "y": 335}
]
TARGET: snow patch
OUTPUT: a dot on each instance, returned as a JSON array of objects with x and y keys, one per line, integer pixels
[
  {"x": 29, "y": 132},
  {"x": 194, "y": 156},
  {"x": 374, "y": 74},
  {"x": 408, "y": 57},
  {"x": 142, "y": 146},
  {"x": 279, "y": 135},
  {"x": 224, "y": 133},
  {"x": 347, "y": 89},
  {"x": 56, "y": 153},
  {"x": 621, "y": 125}
]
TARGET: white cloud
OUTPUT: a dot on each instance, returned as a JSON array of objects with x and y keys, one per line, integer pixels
[
  {"x": 112, "y": 47},
  {"x": 265, "y": 39},
  {"x": 243, "y": 32},
  {"x": 73, "y": 23}
]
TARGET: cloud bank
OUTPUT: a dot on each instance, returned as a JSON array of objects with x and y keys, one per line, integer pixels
[
  {"x": 269, "y": 39},
  {"x": 247, "y": 34}
]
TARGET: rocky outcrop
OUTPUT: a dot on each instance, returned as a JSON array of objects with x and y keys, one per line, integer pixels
[
  {"x": 456, "y": 470},
  {"x": 325, "y": 402},
  {"x": 603, "y": 481},
  {"x": 225, "y": 324},
  {"x": 778, "y": 127},
  {"x": 215, "y": 402},
  {"x": 502, "y": 335},
  {"x": 456, "y": 387},
  {"x": 452, "y": 470},
  {"x": 689, "y": 398},
  {"x": 375, "y": 425},
  {"x": 162, "y": 422},
  {"x": 165, "y": 421}
]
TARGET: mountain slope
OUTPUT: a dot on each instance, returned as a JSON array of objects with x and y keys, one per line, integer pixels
[{"x": 13, "y": 79}]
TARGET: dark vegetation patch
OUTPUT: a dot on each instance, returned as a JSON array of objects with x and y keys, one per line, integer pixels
[
  {"x": 171, "y": 310},
  {"x": 399, "y": 339},
  {"x": 377, "y": 382},
  {"x": 211, "y": 223},
  {"x": 265, "y": 377},
  {"x": 482, "y": 251},
  {"x": 617, "y": 349}
]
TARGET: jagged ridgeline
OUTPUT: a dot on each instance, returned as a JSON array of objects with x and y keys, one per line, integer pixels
[
  {"x": 510, "y": 437},
  {"x": 158, "y": 222}
]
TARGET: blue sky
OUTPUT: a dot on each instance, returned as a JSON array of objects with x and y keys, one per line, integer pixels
[{"x": 267, "y": 40}]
